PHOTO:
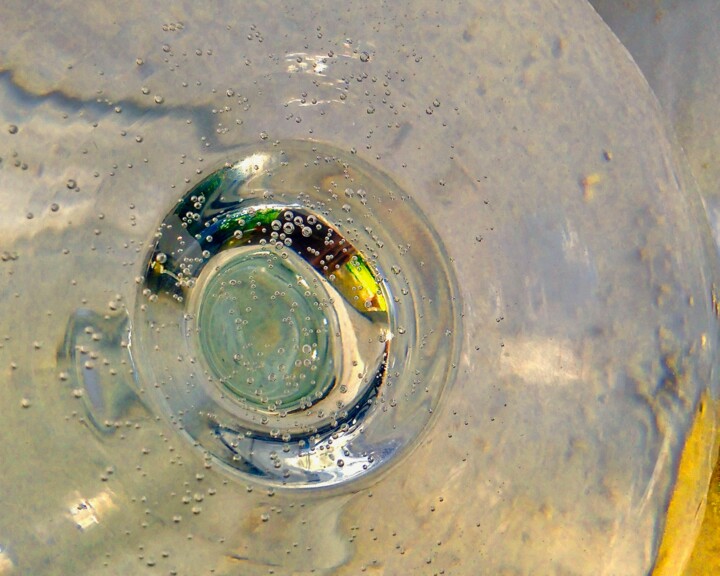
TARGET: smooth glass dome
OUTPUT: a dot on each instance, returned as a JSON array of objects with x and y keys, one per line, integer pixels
[{"x": 580, "y": 420}]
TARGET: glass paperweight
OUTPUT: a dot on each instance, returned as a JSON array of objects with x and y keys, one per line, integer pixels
[{"x": 359, "y": 289}]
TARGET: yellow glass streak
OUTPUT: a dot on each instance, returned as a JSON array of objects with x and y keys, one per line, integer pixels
[
  {"x": 705, "y": 558},
  {"x": 687, "y": 505},
  {"x": 356, "y": 281}
]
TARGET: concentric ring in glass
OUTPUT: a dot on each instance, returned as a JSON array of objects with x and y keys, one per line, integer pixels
[{"x": 298, "y": 316}]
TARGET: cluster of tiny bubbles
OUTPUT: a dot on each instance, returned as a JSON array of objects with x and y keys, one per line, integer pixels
[{"x": 304, "y": 364}]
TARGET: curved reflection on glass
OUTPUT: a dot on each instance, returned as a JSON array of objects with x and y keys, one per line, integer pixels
[{"x": 686, "y": 81}]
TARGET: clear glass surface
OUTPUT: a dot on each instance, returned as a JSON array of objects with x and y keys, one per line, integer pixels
[{"x": 586, "y": 307}]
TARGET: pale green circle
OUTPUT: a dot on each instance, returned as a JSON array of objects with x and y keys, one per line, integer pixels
[{"x": 265, "y": 333}]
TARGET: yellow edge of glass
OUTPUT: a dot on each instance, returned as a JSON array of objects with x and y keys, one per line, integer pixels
[
  {"x": 705, "y": 558},
  {"x": 691, "y": 538}
]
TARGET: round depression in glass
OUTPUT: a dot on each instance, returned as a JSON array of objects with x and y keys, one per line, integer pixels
[
  {"x": 286, "y": 322},
  {"x": 577, "y": 433}
]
